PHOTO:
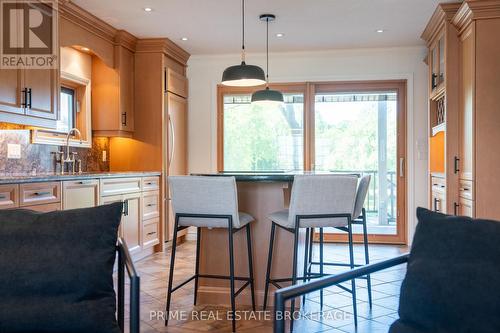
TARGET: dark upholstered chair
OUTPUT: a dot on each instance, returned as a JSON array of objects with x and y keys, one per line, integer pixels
[
  {"x": 452, "y": 280},
  {"x": 57, "y": 272}
]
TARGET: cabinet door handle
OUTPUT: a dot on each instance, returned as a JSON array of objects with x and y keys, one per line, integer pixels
[
  {"x": 401, "y": 167},
  {"x": 124, "y": 118},
  {"x": 455, "y": 166},
  {"x": 455, "y": 208},
  {"x": 150, "y": 205},
  {"x": 151, "y": 233},
  {"x": 125, "y": 207},
  {"x": 41, "y": 193},
  {"x": 433, "y": 81},
  {"x": 2, "y": 197},
  {"x": 24, "y": 102},
  {"x": 172, "y": 133},
  {"x": 436, "y": 200},
  {"x": 29, "y": 98}
]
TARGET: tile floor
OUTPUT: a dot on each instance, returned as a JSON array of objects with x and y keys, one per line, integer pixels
[{"x": 337, "y": 309}]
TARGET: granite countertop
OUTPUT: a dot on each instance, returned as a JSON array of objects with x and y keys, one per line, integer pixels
[
  {"x": 47, "y": 177},
  {"x": 268, "y": 176}
]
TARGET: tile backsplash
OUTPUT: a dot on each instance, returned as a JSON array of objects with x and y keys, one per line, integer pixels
[{"x": 37, "y": 158}]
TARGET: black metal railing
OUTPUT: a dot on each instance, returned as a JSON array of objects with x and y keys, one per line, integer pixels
[
  {"x": 288, "y": 293},
  {"x": 372, "y": 198}
]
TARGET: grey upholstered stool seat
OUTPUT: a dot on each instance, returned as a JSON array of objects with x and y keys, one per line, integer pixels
[
  {"x": 319, "y": 201},
  {"x": 209, "y": 202}
]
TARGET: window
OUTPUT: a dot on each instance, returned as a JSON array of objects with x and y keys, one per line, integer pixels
[
  {"x": 260, "y": 138},
  {"x": 67, "y": 110}
]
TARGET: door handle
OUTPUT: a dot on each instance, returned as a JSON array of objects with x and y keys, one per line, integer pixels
[
  {"x": 24, "y": 102},
  {"x": 125, "y": 207},
  {"x": 455, "y": 166},
  {"x": 455, "y": 208},
  {"x": 124, "y": 118},
  {"x": 172, "y": 134},
  {"x": 401, "y": 167},
  {"x": 29, "y": 98}
]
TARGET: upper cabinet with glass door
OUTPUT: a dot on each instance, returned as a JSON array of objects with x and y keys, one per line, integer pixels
[{"x": 437, "y": 65}]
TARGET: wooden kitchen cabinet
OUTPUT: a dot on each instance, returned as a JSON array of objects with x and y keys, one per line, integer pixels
[
  {"x": 130, "y": 226},
  {"x": 80, "y": 193},
  {"x": 29, "y": 97},
  {"x": 39, "y": 193},
  {"x": 45, "y": 208},
  {"x": 113, "y": 95},
  {"x": 9, "y": 196},
  {"x": 10, "y": 91},
  {"x": 478, "y": 26},
  {"x": 43, "y": 97}
]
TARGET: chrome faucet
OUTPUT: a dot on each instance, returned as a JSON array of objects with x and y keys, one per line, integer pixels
[{"x": 70, "y": 157}]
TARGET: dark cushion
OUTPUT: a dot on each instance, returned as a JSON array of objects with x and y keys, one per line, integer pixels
[
  {"x": 56, "y": 270},
  {"x": 453, "y": 279}
]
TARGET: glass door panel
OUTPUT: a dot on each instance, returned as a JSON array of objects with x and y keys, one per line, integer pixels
[
  {"x": 357, "y": 133},
  {"x": 263, "y": 138}
]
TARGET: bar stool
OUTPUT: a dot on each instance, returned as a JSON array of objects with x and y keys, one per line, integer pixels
[
  {"x": 359, "y": 218},
  {"x": 317, "y": 201},
  {"x": 209, "y": 202}
]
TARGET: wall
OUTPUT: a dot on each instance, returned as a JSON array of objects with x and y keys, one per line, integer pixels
[{"x": 204, "y": 73}]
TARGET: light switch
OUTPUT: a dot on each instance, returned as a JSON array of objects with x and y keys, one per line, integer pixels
[{"x": 13, "y": 150}]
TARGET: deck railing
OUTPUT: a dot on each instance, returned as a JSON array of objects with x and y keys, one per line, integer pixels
[{"x": 372, "y": 198}]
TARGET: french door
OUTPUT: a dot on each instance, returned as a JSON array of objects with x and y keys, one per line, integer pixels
[{"x": 360, "y": 127}]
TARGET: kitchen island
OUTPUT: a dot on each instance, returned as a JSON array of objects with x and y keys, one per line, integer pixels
[{"x": 259, "y": 194}]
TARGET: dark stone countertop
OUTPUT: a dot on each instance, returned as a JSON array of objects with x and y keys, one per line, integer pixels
[
  {"x": 267, "y": 176},
  {"x": 50, "y": 177}
]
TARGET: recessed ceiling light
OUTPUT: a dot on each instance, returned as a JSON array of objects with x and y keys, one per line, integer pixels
[
  {"x": 86, "y": 49},
  {"x": 280, "y": 34},
  {"x": 148, "y": 9},
  {"x": 380, "y": 30},
  {"x": 184, "y": 39}
]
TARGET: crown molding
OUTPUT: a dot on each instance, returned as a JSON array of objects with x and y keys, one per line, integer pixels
[
  {"x": 444, "y": 13},
  {"x": 87, "y": 21},
  {"x": 125, "y": 39},
  {"x": 475, "y": 10},
  {"x": 165, "y": 46}
]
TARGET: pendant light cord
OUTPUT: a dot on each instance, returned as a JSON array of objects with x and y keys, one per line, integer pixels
[
  {"x": 267, "y": 52},
  {"x": 243, "y": 31}
]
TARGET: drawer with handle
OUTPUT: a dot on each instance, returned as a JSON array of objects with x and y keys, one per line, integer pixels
[
  {"x": 150, "y": 233},
  {"x": 9, "y": 196},
  {"x": 150, "y": 204},
  {"x": 466, "y": 189},
  {"x": 114, "y": 186},
  {"x": 438, "y": 184},
  {"x": 39, "y": 193},
  {"x": 151, "y": 183}
]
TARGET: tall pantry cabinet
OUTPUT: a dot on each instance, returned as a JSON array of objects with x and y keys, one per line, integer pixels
[
  {"x": 468, "y": 152},
  {"x": 160, "y": 122}
]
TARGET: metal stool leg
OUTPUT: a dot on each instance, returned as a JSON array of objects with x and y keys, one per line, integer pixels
[
  {"x": 294, "y": 269},
  {"x": 171, "y": 271},
  {"x": 311, "y": 242},
  {"x": 250, "y": 265},
  {"x": 367, "y": 258},
  {"x": 231, "y": 273},
  {"x": 353, "y": 281},
  {"x": 321, "y": 266},
  {"x": 197, "y": 268},
  {"x": 269, "y": 264},
  {"x": 305, "y": 262}
]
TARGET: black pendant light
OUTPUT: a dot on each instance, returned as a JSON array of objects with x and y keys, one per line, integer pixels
[
  {"x": 243, "y": 75},
  {"x": 267, "y": 96}
]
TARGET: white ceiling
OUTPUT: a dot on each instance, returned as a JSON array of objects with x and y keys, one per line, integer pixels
[{"x": 214, "y": 26}]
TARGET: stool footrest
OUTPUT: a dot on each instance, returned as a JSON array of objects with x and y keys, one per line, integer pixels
[
  {"x": 246, "y": 284},
  {"x": 184, "y": 283},
  {"x": 334, "y": 264}
]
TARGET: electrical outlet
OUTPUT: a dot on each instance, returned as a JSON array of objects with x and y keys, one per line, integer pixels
[
  {"x": 13, "y": 151},
  {"x": 104, "y": 156}
]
